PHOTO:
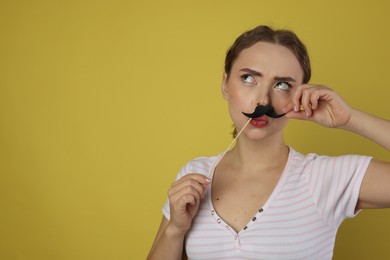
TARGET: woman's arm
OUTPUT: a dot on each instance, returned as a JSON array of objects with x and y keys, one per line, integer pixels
[
  {"x": 325, "y": 107},
  {"x": 167, "y": 244},
  {"x": 185, "y": 196},
  {"x": 369, "y": 126},
  {"x": 375, "y": 188}
]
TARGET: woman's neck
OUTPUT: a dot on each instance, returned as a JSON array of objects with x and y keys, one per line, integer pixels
[{"x": 255, "y": 156}]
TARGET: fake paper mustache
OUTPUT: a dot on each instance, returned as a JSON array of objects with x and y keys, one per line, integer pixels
[{"x": 263, "y": 110}]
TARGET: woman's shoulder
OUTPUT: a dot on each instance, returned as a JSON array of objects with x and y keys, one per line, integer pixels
[
  {"x": 321, "y": 159},
  {"x": 202, "y": 165}
]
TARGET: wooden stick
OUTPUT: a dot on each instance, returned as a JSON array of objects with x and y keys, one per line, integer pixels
[{"x": 227, "y": 149}]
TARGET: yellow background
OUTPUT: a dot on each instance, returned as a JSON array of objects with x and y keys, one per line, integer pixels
[{"x": 102, "y": 102}]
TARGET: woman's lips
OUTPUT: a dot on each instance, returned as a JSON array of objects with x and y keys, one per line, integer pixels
[{"x": 259, "y": 121}]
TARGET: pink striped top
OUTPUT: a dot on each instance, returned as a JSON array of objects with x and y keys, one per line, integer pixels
[{"x": 299, "y": 220}]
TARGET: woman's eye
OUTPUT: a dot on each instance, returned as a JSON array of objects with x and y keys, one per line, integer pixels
[
  {"x": 248, "y": 79},
  {"x": 283, "y": 86}
]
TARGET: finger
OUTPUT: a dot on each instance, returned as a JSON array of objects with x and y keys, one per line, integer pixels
[
  {"x": 305, "y": 100},
  {"x": 200, "y": 178},
  {"x": 314, "y": 99},
  {"x": 200, "y": 182},
  {"x": 296, "y": 99},
  {"x": 188, "y": 182},
  {"x": 192, "y": 207},
  {"x": 297, "y": 96},
  {"x": 183, "y": 207},
  {"x": 288, "y": 108},
  {"x": 189, "y": 199},
  {"x": 194, "y": 176},
  {"x": 300, "y": 115},
  {"x": 184, "y": 196},
  {"x": 187, "y": 188}
]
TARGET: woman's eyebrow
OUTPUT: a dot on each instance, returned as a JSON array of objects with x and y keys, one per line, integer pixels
[
  {"x": 287, "y": 79},
  {"x": 259, "y": 74},
  {"x": 253, "y": 72}
]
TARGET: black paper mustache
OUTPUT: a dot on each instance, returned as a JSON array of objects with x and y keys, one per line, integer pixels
[{"x": 263, "y": 110}]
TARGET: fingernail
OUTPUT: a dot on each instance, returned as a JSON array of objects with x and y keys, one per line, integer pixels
[{"x": 295, "y": 108}]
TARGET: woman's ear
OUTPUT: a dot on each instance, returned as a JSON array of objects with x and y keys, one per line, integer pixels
[{"x": 225, "y": 92}]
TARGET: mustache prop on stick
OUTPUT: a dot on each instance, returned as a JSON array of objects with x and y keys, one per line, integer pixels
[
  {"x": 259, "y": 111},
  {"x": 263, "y": 110}
]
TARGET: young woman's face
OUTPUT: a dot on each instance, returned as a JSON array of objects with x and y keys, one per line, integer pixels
[{"x": 264, "y": 74}]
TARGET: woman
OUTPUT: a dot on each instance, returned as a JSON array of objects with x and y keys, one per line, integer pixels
[{"x": 264, "y": 200}]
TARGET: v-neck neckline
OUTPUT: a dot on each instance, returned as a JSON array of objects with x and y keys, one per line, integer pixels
[{"x": 263, "y": 209}]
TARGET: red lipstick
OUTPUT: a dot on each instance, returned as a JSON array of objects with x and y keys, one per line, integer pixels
[{"x": 261, "y": 121}]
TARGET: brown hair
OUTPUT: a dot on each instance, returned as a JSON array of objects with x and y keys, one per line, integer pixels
[{"x": 264, "y": 33}]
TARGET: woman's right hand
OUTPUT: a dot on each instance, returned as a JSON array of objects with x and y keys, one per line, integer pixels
[{"x": 185, "y": 195}]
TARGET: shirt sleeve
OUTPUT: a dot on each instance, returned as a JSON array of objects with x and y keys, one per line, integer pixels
[{"x": 335, "y": 184}]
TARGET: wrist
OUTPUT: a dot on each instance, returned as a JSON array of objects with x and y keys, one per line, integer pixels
[
  {"x": 353, "y": 122},
  {"x": 174, "y": 232}
]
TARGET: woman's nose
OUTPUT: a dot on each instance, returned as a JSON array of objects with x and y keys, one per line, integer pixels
[{"x": 263, "y": 98}]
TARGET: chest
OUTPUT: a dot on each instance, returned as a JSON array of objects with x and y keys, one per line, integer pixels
[{"x": 237, "y": 200}]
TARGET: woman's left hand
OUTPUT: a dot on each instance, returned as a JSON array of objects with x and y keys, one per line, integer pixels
[{"x": 319, "y": 104}]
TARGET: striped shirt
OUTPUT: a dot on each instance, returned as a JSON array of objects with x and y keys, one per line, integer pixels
[{"x": 298, "y": 221}]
